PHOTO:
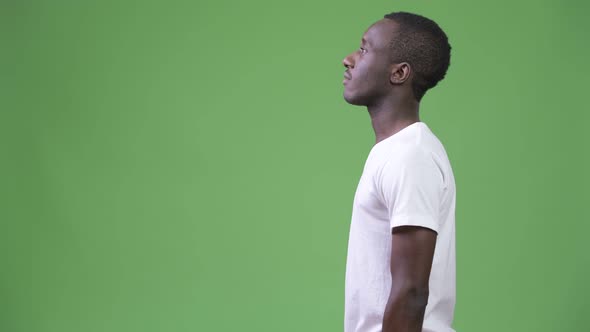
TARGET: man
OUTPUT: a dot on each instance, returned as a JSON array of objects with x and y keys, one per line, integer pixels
[{"x": 400, "y": 269}]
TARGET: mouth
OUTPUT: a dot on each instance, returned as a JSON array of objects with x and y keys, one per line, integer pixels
[{"x": 347, "y": 77}]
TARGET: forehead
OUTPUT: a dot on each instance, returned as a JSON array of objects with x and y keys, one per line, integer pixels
[{"x": 380, "y": 33}]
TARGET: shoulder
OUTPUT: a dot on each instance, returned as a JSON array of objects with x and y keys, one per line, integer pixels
[
  {"x": 411, "y": 164},
  {"x": 414, "y": 152},
  {"x": 410, "y": 151}
]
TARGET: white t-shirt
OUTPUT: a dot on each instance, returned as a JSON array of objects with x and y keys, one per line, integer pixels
[{"x": 407, "y": 180}]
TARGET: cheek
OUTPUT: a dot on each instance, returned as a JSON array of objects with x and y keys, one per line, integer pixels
[
  {"x": 371, "y": 72},
  {"x": 362, "y": 78},
  {"x": 370, "y": 80}
]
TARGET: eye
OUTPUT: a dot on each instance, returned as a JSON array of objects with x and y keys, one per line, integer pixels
[{"x": 362, "y": 50}]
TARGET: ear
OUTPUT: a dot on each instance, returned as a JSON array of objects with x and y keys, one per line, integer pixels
[{"x": 400, "y": 72}]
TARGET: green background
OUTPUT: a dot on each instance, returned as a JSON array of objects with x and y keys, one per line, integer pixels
[{"x": 191, "y": 165}]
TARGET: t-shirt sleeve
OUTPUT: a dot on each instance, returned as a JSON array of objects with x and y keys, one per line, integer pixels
[{"x": 412, "y": 187}]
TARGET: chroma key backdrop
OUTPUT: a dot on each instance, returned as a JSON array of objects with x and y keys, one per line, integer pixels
[{"x": 183, "y": 166}]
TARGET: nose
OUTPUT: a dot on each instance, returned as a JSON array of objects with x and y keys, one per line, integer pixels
[{"x": 348, "y": 61}]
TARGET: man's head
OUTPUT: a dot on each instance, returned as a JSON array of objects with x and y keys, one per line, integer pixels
[{"x": 402, "y": 54}]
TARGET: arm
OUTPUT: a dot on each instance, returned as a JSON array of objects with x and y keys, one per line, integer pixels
[
  {"x": 412, "y": 186},
  {"x": 412, "y": 252}
]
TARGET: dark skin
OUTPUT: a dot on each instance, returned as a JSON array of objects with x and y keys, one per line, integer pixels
[{"x": 372, "y": 80}]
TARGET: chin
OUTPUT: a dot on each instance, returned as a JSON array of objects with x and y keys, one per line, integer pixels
[{"x": 353, "y": 100}]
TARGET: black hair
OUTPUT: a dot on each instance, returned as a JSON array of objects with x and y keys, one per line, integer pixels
[{"x": 420, "y": 42}]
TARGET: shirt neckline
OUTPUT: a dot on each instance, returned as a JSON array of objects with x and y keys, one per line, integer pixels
[{"x": 415, "y": 124}]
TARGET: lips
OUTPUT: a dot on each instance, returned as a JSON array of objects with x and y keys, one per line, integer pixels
[{"x": 347, "y": 75}]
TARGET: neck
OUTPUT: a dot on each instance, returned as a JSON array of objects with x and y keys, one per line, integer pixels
[{"x": 392, "y": 115}]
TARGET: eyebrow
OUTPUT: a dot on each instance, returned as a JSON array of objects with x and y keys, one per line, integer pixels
[{"x": 364, "y": 41}]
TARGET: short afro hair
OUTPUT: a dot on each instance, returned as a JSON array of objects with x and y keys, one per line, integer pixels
[{"x": 420, "y": 42}]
